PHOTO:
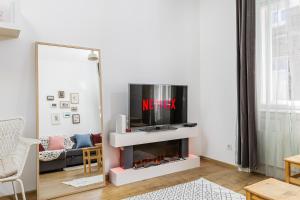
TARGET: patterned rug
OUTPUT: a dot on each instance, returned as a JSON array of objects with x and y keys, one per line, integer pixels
[{"x": 200, "y": 189}]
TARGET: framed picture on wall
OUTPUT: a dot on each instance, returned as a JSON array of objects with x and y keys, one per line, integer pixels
[
  {"x": 55, "y": 118},
  {"x": 74, "y": 97},
  {"x": 67, "y": 115},
  {"x": 53, "y": 105},
  {"x": 61, "y": 94},
  {"x": 64, "y": 104},
  {"x": 74, "y": 109},
  {"x": 75, "y": 118},
  {"x": 50, "y": 98}
]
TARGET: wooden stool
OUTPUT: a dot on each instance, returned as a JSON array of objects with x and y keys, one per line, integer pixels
[
  {"x": 99, "y": 161},
  {"x": 289, "y": 162},
  {"x": 272, "y": 189},
  {"x": 87, "y": 157}
]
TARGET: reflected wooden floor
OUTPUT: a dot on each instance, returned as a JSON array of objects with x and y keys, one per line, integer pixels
[
  {"x": 51, "y": 183},
  {"x": 221, "y": 174}
]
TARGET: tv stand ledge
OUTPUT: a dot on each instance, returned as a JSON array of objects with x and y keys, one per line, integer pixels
[{"x": 134, "y": 138}]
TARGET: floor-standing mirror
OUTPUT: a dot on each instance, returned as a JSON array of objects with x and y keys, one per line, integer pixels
[{"x": 69, "y": 120}]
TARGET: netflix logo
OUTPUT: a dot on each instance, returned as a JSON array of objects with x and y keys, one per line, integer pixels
[{"x": 151, "y": 104}]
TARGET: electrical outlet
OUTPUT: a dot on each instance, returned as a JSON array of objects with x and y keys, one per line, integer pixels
[{"x": 229, "y": 147}]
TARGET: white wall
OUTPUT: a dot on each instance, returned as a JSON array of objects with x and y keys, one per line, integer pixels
[
  {"x": 68, "y": 70},
  {"x": 145, "y": 41},
  {"x": 218, "y": 99}
]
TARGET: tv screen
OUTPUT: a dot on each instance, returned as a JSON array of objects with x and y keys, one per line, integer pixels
[{"x": 153, "y": 105}]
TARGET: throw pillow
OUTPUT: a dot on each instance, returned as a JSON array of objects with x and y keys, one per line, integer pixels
[
  {"x": 83, "y": 140},
  {"x": 68, "y": 143},
  {"x": 96, "y": 138},
  {"x": 73, "y": 138},
  {"x": 41, "y": 148},
  {"x": 56, "y": 143}
]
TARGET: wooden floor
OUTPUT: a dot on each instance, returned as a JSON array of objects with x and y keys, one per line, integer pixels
[
  {"x": 223, "y": 175},
  {"x": 51, "y": 185}
]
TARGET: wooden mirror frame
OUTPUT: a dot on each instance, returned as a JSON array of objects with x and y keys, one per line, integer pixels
[{"x": 94, "y": 186}]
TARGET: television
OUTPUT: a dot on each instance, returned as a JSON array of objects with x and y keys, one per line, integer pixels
[{"x": 157, "y": 105}]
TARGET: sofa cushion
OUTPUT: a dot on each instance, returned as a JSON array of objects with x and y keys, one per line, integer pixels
[
  {"x": 68, "y": 143},
  {"x": 74, "y": 161},
  {"x": 56, "y": 143},
  {"x": 47, "y": 156},
  {"x": 83, "y": 140},
  {"x": 96, "y": 138},
  {"x": 73, "y": 139},
  {"x": 54, "y": 165},
  {"x": 73, "y": 152}
]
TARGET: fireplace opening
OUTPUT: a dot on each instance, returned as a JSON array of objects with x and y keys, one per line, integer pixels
[{"x": 146, "y": 155}]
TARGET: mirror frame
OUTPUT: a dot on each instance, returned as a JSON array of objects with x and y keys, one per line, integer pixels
[{"x": 87, "y": 188}]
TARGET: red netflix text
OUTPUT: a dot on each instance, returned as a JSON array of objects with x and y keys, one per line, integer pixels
[{"x": 151, "y": 104}]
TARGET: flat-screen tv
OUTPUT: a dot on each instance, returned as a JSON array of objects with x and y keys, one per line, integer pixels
[{"x": 155, "y": 105}]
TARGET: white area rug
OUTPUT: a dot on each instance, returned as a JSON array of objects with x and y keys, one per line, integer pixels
[
  {"x": 200, "y": 189},
  {"x": 81, "y": 182}
]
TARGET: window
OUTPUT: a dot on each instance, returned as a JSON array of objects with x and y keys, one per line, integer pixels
[{"x": 278, "y": 53}]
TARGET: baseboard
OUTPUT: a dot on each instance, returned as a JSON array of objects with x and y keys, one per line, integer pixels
[
  {"x": 12, "y": 196},
  {"x": 219, "y": 162}
]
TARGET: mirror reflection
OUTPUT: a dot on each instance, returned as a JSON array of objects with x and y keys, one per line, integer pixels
[{"x": 69, "y": 120}]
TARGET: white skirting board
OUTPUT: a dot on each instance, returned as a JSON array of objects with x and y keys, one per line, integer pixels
[{"x": 119, "y": 176}]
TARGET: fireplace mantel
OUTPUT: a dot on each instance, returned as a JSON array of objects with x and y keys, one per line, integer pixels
[
  {"x": 121, "y": 176},
  {"x": 135, "y": 138}
]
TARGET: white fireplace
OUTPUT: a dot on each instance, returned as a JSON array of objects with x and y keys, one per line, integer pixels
[{"x": 159, "y": 164}]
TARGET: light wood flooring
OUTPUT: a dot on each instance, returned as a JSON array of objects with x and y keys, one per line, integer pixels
[
  {"x": 51, "y": 185},
  {"x": 221, "y": 174}
]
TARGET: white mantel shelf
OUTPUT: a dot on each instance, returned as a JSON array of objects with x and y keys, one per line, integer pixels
[
  {"x": 135, "y": 138},
  {"x": 9, "y": 31}
]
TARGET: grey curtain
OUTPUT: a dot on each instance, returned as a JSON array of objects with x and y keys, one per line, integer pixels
[{"x": 246, "y": 136}]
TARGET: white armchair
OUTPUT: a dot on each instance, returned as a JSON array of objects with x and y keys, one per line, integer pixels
[{"x": 15, "y": 148}]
